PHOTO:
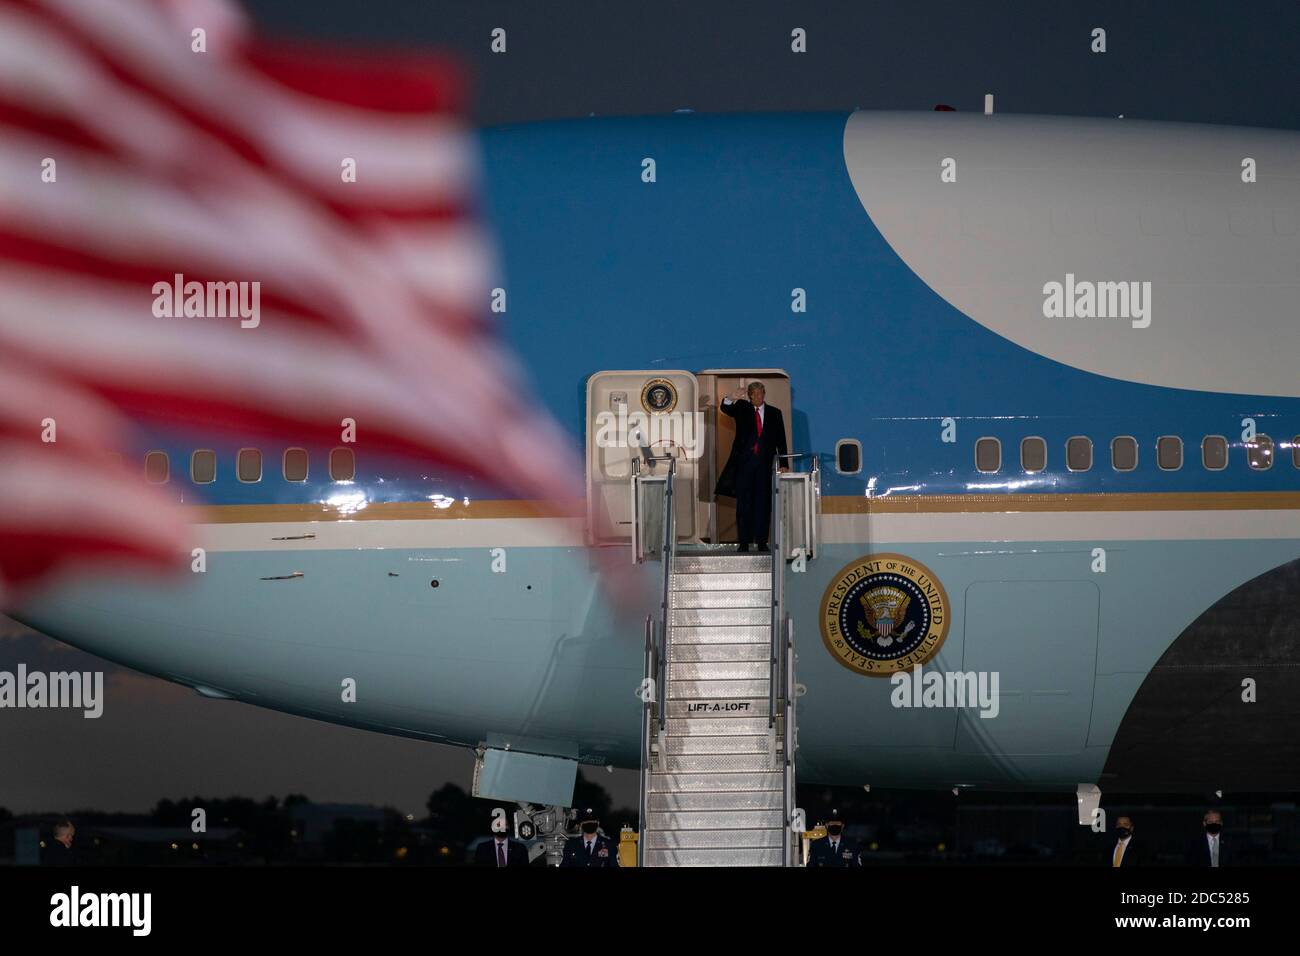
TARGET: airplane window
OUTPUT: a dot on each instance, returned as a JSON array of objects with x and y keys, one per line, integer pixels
[
  {"x": 203, "y": 466},
  {"x": 295, "y": 464},
  {"x": 1214, "y": 452},
  {"x": 1169, "y": 452},
  {"x": 1295, "y": 451},
  {"x": 248, "y": 466},
  {"x": 343, "y": 464},
  {"x": 1124, "y": 453},
  {"x": 1259, "y": 453},
  {"x": 988, "y": 455},
  {"x": 848, "y": 456},
  {"x": 1078, "y": 453},
  {"x": 155, "y": 467},
  {"x": 1033, "y": 454}
]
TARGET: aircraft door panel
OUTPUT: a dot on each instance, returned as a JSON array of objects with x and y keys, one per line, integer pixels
[{"x": 639, "y": 415}]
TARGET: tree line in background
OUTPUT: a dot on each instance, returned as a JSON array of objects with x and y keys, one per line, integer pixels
[
  {"x": 293, "y": 830},
  {"x": 892, "y": 827}
]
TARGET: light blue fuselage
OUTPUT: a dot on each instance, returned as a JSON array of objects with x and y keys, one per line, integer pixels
[{"x": 695, "y": 270}]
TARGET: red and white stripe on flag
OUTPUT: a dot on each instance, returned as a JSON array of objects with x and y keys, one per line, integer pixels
[{"x": 343, "y": 183}]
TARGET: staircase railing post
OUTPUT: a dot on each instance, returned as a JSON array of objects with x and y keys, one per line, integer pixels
[
  {"x": 666, "y": 554},
  {"x": 778, "y": 567},
  {"x": 788, "y": 787},
  {"x": 650, "y": 694}
]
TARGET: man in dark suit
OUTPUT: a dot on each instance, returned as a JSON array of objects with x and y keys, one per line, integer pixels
[
  {"x": 60, "y": 851},
  {"x": 501, "y": 850},
  {"x": 832, "y": 850},
  {"x": 1208, "y": 849},
  {"x": 1122, "y": 853},
  {"x": 760, "y": 436},
  {"x": 590, "y": 848}
]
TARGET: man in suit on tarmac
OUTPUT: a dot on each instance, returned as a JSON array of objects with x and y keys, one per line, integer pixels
[
  {"x": 61, "y": 851},
  {"x": 590, "y": 847},
  {"x": 501, "y": 851},
  {"x": 1208, "y": 848},
  {"x": 760, "y": 437},
  {"x": 1122, "y": 853}
]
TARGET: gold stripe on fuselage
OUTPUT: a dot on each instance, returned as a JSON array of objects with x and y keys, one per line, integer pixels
[{"x": 831, "y": 505}]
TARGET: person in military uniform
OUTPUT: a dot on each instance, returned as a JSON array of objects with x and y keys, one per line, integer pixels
[
  {"x": 832, "y": 849},
  {"x": 590, "y": 847}
]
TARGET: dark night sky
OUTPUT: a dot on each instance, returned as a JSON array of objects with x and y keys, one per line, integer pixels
[{"x": 1213, "y": 62}]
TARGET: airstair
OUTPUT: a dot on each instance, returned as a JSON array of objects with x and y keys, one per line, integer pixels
[{"x": 719, "y": 730}]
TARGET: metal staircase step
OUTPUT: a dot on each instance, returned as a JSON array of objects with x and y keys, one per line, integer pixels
[
  {"x": 720, "y": 763},
  {"x": 715, "y": 689},
  {"x": 725, "y": 634},
  {"x": 720, "y": 725},
  {"x": 713, "y": 819},
  {"x": 719, "y": 616},
  {"x": 722, "y": 563},
  {"x": 714, "y": 857},
  {"x": 718, "y": 708},
  {"x": 715, "y": 791},
  {"x": 720, "y": 670},
  {"x": 769, "y": 838},
  {"x": 709, "y": 800},
  {"x": 701, "y": 653},
  {"x": 744, "y": 581},
  {"x": 715, "y": 782},
  {"x": 721, "y": 599},
  {"x": 719, "y": 744}
]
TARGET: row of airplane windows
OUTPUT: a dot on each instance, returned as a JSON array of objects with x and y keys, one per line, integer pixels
[
  {"x": 294, "y": 465},
  {"x": 1078, "y": 454},
  {"x": 1260, "y": 453}
]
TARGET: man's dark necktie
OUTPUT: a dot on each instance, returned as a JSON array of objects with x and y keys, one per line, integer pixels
[{"x": 501, "y": 854}]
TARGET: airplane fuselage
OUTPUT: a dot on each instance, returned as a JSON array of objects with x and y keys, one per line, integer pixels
[{"x": 936, "y": 287}]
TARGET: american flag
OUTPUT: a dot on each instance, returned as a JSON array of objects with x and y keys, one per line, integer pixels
[{"x": 142, "y": 140}]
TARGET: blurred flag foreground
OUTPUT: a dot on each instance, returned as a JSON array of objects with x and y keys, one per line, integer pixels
[{"x": 142, "y": 140}]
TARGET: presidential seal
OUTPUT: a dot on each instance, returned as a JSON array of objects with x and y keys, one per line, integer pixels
[
  {"x": 884, "y": 613},
  {"x": 659, "y": 396}
]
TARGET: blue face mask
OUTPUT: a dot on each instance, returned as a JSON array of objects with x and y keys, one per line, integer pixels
[{"x": 1123, "y": 832}]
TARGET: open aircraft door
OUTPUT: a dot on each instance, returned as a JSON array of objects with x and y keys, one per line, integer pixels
[
  {"x": 717, "y": 516},
  {"x": 646, "y": 415}
]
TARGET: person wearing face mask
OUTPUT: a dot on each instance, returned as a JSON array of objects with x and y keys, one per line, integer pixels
[
  {"x": 1122, "y": 853},
  {"x": 590, "y": 847},
  {"x": 1208, "y": 848},
  {"x": 832, "y": 849},
  {"x": 501, "y": 851}
]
